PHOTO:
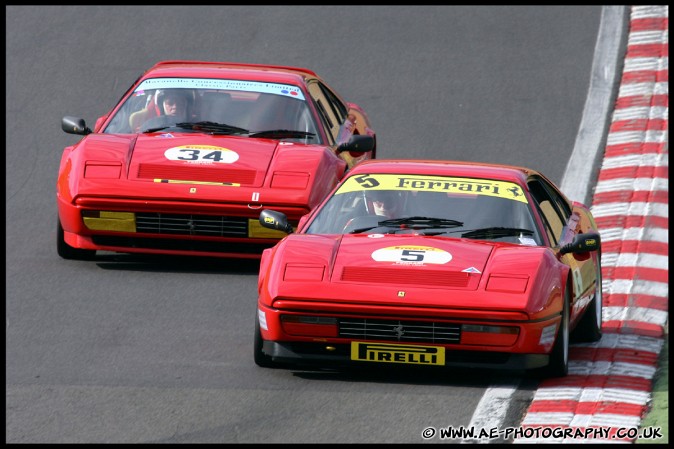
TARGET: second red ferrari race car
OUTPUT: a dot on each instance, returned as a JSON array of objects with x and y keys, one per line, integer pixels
[
  {"x": 432, "y": 263},
  {"x": 194, "y": 150}
]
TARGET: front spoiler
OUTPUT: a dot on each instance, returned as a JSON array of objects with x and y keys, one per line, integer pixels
[{"x": 316, "y": 354}]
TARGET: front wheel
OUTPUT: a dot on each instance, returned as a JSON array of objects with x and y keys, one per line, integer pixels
[
  {"x": 589, "y": 326},
  {"x": 68, "y": 252}
]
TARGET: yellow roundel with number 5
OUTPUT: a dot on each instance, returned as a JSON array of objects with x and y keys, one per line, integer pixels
[
  {"x": 412, "y": 255},
  {"x": 201, "y": 153}
]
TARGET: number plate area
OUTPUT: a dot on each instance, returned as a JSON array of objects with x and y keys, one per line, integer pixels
[{"x": 395, "y": 353}]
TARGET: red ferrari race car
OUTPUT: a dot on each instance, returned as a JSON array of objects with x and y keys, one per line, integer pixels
[
  {"x": 434, "y": 263},
  {"x": 194, "y": 150}
]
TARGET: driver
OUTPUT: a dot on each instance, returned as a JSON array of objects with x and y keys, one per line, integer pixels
[
  {"x": 174, "y": 105},
  {"x": 170, "y": 104},
  {"x": 386, "y": 203}
]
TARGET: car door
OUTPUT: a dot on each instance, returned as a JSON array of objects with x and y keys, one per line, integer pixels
[
  {"x": 337, "y": 119},
  {"x": 561, "y": 226}
]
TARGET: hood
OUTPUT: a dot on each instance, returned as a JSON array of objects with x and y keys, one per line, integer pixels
[
  {"x": 168, "y": 166},
  {"x": 376, "y": 269},
  {"x": 334, "y": 271},
  {"x": 410, "y": 260},
  {"x": 202, "y": 158}
]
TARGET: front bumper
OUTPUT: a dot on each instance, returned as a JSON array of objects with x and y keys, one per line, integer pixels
[
  {"x": 338, "y": 355},
  {"x": 161, "y": 227},
  {"x": 442, "y": 338}
]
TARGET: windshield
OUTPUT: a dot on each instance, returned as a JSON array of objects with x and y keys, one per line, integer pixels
[
  {"x": 468, "y": 208},
  {"x": 248, "y": 108}
]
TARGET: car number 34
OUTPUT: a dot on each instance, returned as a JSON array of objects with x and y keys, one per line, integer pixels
[{"x": 211, "y": 154}]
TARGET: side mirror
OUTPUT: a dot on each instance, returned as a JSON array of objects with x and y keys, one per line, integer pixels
[
  {"x": 582, "y": 243},
  {"x": 278, "y": 221},
  {"x": 74, "y": 125},
  {"x": 358, "y": 144}
]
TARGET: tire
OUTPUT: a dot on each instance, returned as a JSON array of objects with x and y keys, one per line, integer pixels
[
  {"x": 68, "y": 252},
  {"x": 559, "y": 356},
  {"x": 589, "y": 326},
  {"x": 261, "y": 359}
]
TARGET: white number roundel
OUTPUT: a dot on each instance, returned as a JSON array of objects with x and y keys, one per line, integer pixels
[
  {"x": 412, "y": 254},
  {"x": 201, "y": 153}
]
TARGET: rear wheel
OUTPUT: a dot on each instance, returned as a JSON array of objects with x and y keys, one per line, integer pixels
[
  {"x": 589, "y": 326},
  {"x": 68, "y": 252},
  {"x": 261, "y": 359}
]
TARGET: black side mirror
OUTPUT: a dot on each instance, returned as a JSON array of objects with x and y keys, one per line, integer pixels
[
  {"x": 582, "y": 243},
  {"x": 278, "y": 221},
  {"x": 74, "y": 125},
  {"x": 358, "y": 144}
]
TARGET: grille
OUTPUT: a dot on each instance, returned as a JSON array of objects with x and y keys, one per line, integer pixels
[
  {"x": 202, "y": 225},
  {"x": 395, "y": 330}
]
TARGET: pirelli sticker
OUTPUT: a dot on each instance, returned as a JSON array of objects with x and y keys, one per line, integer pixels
[
  {"x": 425, "y": 183},
  {"x": 397, "y": 353}
]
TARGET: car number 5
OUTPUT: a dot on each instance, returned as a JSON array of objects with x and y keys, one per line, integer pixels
[{"x": 412, "y": 255}]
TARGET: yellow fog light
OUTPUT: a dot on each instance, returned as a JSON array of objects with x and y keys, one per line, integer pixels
[
  {"x": 109, "y": 221},
  {"x": 256, "y": 230}
]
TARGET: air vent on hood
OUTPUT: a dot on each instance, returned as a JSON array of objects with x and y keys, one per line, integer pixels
[
  {"x": 406, "y": 276},
  {"x": 196, "y": 173}
]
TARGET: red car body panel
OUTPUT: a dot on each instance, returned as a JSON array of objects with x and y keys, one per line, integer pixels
[
  {"x": 148, "y": 173},
  {"x": 463, "y": 282},
  {"x": 315, "y": 268}
]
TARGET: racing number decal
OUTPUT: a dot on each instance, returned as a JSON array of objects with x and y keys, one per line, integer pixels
[
  {"x": 414, "y": 255},
  {"x": 410, "y": 255},
  {"x": 195, "y": 155},
  {"x": 205, "y": 154},
  {"x": 366, "y": 181}
]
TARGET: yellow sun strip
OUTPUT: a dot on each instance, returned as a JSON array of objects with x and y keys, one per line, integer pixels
[
  {"x": 425, "y": 183},
  {"x": 180, "y": 181}
]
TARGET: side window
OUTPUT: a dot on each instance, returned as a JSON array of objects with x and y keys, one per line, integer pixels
[
  {"x": 553, "y": 220},
  {"x": 562, "y": 204},
  {"x": 326, "y": 109},
  {"x": 120, "y": 123},
  {"x": 338, "y": 108}
]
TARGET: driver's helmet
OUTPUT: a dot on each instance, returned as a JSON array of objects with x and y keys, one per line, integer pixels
[
  {"x": 187, "y": 94},
  {"x": 385, "y": 202},
  {"x": 385, "y": 196}
]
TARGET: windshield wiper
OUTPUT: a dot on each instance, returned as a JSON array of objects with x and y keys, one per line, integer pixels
[
  {"x": 495, "y": 232},
  {"x": 281, "y": 134},
  {"x": 155, "y": 129},
  {"x": 422, "y": 222},
  {"x": 212, "y": 127},
  {"x": 415, "y": 222}
]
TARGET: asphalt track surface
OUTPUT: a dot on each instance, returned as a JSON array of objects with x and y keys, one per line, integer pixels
[{"x": 132, "y": 349}]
